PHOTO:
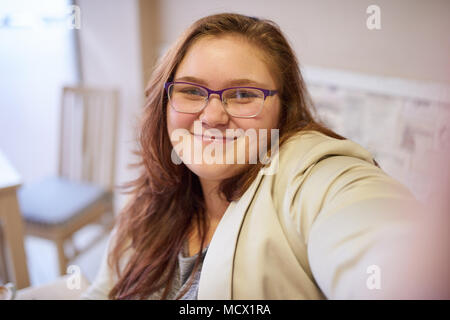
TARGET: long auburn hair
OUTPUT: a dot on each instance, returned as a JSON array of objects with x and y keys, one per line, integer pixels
[{"x": 167, "y": 199}]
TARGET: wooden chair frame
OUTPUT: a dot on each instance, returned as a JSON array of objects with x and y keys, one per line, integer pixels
[{"x": 85, "y": 169}]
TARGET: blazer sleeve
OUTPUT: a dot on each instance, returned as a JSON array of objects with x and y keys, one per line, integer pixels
[{"x": 358, "y": 223}]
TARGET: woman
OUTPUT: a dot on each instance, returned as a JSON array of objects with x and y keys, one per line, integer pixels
[{"x": 300, "y": 226}]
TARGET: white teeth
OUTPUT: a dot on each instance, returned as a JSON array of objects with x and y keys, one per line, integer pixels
[{"x": 213, "y": 138}]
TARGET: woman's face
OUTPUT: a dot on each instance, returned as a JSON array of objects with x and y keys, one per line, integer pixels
[{"x": 219, "y": 63}]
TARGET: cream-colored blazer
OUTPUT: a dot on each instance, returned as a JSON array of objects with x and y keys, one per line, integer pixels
[{"x": 315, "y": 224}]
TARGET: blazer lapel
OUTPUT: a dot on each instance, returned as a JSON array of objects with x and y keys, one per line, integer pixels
[{"x": 217, "y": 270}]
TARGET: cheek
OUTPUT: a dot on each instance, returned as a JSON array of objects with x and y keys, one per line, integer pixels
[
  {"x": 176, "y": 120},
  {"x": 274, "y": 115},
  {"x": 268, "y": 119}
]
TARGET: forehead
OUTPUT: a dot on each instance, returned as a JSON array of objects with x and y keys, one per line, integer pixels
[{"x": 219, "y": 61}]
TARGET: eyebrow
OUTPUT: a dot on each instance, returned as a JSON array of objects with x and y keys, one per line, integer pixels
[{"x": 231, "y": 83}]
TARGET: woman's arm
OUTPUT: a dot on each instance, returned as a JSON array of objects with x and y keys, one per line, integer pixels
[{"x": 370, "y": 239}]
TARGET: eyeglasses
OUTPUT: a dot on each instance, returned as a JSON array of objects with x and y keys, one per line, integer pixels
[{"x": 241, "y": 102}]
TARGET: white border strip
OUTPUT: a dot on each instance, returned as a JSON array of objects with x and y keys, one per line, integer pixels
[{"x": 432, "y": 91}]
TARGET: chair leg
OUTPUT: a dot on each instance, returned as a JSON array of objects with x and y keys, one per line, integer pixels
[
  {"x": 4, "y": 277},
  {"x": 62, "y": 259}
]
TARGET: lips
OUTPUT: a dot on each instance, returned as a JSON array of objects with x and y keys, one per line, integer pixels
[{"x": 215, "y": 139}]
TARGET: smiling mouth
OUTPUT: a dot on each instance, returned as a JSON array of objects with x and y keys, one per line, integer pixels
[{"x": 215, "y": 139}]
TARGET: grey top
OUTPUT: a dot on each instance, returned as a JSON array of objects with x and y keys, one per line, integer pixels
[{"x": 184, "y": 269}]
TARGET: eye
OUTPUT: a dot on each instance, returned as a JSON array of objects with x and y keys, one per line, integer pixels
[
  {"x": 195, "y": 91},
  {"x": 244, "y": 94}
]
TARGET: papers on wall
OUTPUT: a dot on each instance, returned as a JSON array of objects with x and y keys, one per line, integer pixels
[{"x": 408, "y": 134}]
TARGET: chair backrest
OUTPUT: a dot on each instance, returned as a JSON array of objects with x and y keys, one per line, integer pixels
[{"x": 88, "y": 135}]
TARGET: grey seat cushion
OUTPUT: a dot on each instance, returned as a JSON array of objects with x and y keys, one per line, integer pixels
[{"x": 55, "y": 200}]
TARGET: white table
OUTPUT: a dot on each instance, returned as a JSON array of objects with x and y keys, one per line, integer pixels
[{"x": 11, "y": 221}]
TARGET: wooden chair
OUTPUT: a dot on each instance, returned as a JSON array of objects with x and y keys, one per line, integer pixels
[{"x": 82, "y": 193}]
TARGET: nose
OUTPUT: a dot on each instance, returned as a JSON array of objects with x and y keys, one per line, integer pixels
[{"x": 214, "y": 114}]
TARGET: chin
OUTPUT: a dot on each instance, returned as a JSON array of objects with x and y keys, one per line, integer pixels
[{"x": 216, "y": 172}]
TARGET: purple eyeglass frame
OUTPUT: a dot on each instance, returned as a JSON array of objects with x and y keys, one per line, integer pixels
[{"x": 267, "y": 93}]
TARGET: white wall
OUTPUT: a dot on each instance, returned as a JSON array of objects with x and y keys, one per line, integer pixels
[
  {"x": 36, "y": 60},
  {"x": 413, "y": 41},
  {"x": 110, "y": 57}
]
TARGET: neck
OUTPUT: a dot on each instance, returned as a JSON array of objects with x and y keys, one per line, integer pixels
[{"x": 215, "y": 203}]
